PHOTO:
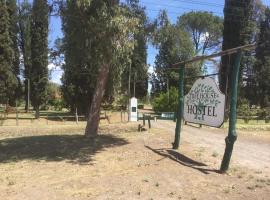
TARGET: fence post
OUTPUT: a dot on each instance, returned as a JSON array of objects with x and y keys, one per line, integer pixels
[
  {"x": 5, "y": 113},
  {"x": 143, "y": 119},
  {"x": 232, "y": 135},
  {"x": 180, "y": 107},
  {"x": 17, "y": 115},
  {"x": 76, "y": 116},
  {"x": 149, "y": 122},
  {"x": 1, "y": 120}
]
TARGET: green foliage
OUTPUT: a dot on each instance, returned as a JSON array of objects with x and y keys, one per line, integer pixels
[
  {"x": 138, "y": 66},
  {"x": 265, "y": 114},
  {"x": 8, "y": 81},
  {"x": 79, "y": 69},
  {"x": 24, "y": 42},
  {"x": 244, "y": 110},
  {"x": 140, "y": 106},
  {"x": 174, "y": 45},
  {"x": 57, "y": 104},
  {"x": 39, "y": 53},
  {"x": 166, "y": 102},
  {"x": 262, "y": 65},
  {"x": 13, "y": 32},
  {"x": 204, "y": 28},
  {"x": 239, "y": 27},
  {"x": 247, "y": 81},
  {"x": 95, "y": 34},
  {"x": 122, "y": 100},
  {"x": 247, "y": 113},
  {"x": 54, "y": 94},
  {"x": 55, "y": 99}
]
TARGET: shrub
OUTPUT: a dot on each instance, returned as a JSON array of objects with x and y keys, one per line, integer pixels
[
  {"x": 162, "y": 103},
  {"x": 140, "y": 106},
  {"x": 265, "y": 114},
  {"x": 244, "y": 111},
  {"x": 57, "y": 104}
]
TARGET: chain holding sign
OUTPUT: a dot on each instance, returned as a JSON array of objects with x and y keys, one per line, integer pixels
[{"x": 205, "y": 104}]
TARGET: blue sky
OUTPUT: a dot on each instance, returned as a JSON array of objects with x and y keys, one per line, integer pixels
[{"x": 174, "y": 8}]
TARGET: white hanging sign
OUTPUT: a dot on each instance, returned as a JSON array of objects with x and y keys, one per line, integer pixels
[{"x": 205, "y": 104}]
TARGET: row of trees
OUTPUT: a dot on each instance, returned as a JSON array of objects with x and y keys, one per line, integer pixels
[
  {"x": 24, "y": 41},
  {"x": 105, "y": 46}
]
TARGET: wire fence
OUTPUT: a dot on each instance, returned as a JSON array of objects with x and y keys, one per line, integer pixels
[
  {"x": 17, "y": 117},
  {"x": 51, "y": 119}
]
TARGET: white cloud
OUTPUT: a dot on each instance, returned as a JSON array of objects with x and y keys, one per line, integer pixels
[
  {"x": 56, "y": 76},
  {"x": 55, "y": 73},
  {"x": 51, "y": 66}
]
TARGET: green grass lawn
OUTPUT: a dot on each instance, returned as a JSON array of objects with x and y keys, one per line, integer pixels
[
  {"x": 43, "y": 113},
  {"x": 251, "y": 125}
]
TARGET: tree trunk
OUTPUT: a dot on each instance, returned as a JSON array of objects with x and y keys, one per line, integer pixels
[
  {"x": 37, "y": 112},
  {"x": 91, "y": 129},
  {"x": 93, "y": 119}
]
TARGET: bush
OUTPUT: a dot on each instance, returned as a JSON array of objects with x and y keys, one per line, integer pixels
[
  {"x": 121, "y": 100},
  {"x": 265, "y": 114},
  {"x": 244, "y": 111},
  {"x": 140, "y": 106},
  {"x": 162, "y": 104},
  {"x": 57, "y": 104}
]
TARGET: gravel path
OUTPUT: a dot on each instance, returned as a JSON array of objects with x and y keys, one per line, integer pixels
[{"x": 249, "y": 150}]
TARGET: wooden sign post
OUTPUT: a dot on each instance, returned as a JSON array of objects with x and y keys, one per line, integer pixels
[
  {"x": 232, "y": 135},
  {"x": 205, "y": 104},
  {"x": 180, "y": 108}
]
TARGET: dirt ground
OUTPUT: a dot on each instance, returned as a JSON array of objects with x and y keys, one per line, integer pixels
[{"x": 57, "y": 162}]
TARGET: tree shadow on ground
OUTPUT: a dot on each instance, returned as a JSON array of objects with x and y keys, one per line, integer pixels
[
  {"x": 76, "y": 149},
  {"x": 182, "y": 159}
]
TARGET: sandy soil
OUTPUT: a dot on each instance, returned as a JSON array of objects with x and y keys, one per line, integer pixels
[
  {"x": 252, "y": 149},
  {"x": 59, "y": 163}
]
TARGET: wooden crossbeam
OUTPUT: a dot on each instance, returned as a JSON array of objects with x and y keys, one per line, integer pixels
[{"x": 222, "y": 53}]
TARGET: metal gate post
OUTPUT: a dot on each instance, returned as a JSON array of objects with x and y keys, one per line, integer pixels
[
  {"x": 180, "y": 108},
  {"x": 232, "y": 135}
]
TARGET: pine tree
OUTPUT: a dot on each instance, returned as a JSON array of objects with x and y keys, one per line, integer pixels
[
  {"x": 39, "y": 53},
  {"x": 204, "y": 28},
  {"x": 262, "y": 65},
  {"x": 238, "y": 31},
  {"x": 8, "y": 81},
  {"x": 174, "y": 45},
  {"x": 247, "y": 78},
  {"x": 13, "y": 32},
  {"x": 25, "y": 43},
  {"x": 80, "y": 68},
  {"x": 138, "y": 69}
]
